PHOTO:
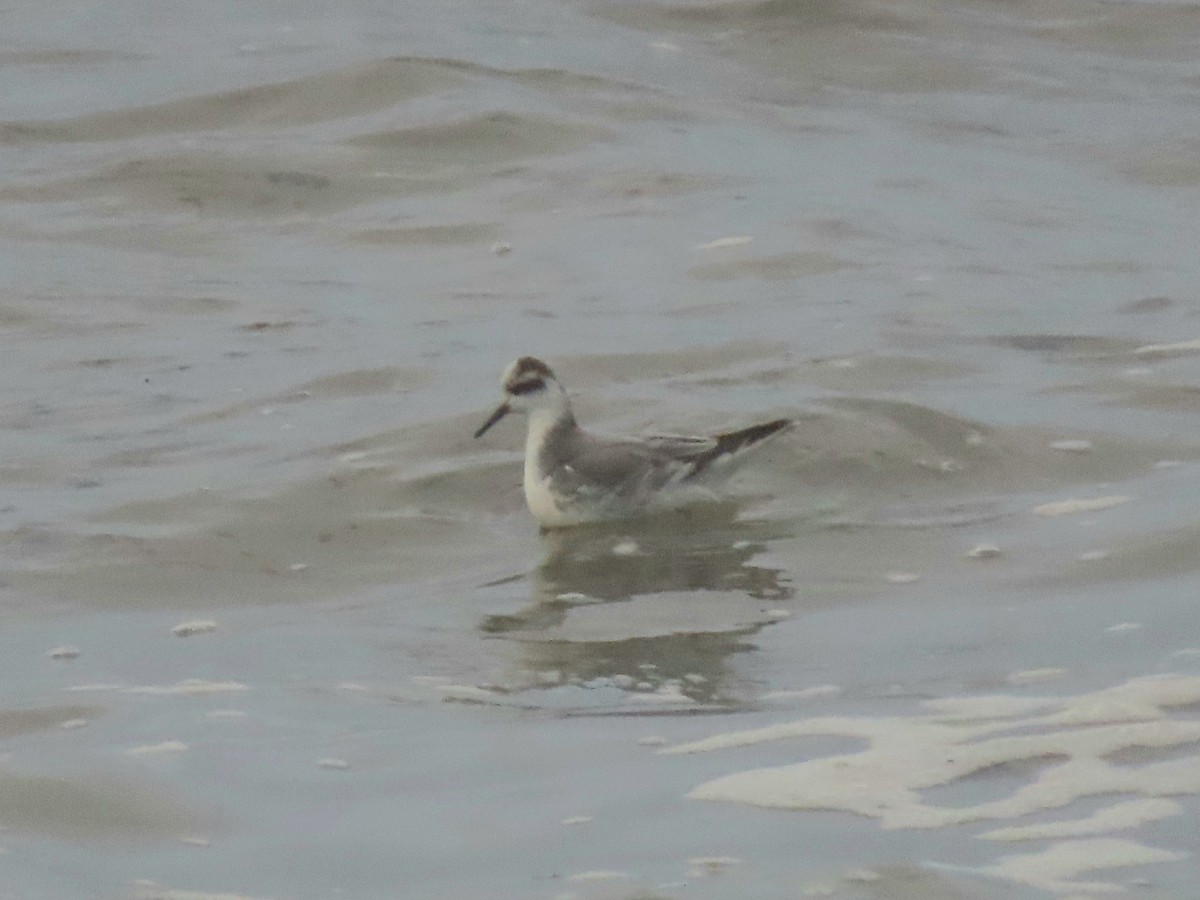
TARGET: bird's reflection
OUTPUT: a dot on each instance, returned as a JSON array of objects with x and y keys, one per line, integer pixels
[{"x": 657, "y": 605}]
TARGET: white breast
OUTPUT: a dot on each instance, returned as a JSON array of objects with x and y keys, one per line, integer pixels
[
  {"x": 541, "y": 501},
  {"x": 538, "y": 495}
]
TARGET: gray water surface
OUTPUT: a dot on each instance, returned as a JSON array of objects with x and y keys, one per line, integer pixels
[{"x": 263, "y": 267}]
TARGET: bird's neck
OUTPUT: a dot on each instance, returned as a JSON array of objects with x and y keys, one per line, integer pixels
[{"x": 548, "y": 428}]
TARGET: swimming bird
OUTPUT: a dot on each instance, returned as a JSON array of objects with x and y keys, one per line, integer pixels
[{"x": 574, "y": 477}]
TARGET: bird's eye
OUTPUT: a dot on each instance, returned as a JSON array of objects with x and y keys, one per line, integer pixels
[{"x": 527, "y": 387}]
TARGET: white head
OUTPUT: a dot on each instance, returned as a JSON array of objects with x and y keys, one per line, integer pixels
[{"x": 529, "y": 387}]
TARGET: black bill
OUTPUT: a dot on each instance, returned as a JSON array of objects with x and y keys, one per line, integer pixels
[{"x": 501, "y": 411}]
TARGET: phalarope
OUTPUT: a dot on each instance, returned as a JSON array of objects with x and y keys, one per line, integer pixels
[{"x": 573, "y": 477}]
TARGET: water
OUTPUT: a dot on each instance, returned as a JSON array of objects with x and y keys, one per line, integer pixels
[{"x": 263, "y": 268}]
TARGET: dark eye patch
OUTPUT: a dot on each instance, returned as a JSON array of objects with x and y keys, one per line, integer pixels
[{"x": 526, "y": 387}]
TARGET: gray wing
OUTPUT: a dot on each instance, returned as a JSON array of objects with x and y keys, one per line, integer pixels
[
  {"x": 624, "y": 470},
  {"x": 680, "y": 446}
]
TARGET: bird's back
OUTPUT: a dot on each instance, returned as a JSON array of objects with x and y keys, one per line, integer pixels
[{"x": 590, "y": 477}]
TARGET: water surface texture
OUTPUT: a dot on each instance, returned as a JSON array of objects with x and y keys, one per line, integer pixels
[{"x": 277, "y": 627}]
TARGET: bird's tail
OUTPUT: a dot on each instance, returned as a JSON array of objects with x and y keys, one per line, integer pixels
[{"x": 732, "y": 443}]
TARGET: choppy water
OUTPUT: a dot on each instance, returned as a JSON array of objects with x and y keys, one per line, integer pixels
[{"x": 262, "y": 269}]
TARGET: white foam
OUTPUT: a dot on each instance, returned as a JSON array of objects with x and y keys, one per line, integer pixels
[
  {"x": 1028, "y": 676},
  {"x": 737, "y": 240},
  {"x": 862, "y": 876},
  {"x": 193, "y": 627},
  {"x": 1175, "y": 347},
  {"x": 149, "y": 890},
  {"x": 993, "y": 707},
  {"x": 711, "y": 865},
  {"x": 1123, "y": 626},
  {"x": 599, "y": 875},
  {"x": 1054, "y": 868},
  {"x": 1073, "y": 738},
  {"x": 984, "y": 551},
  {"x": 1076, "y": 446},
  {"x": 94, "y": 687},
  {"x": 576, "y": 597},
  {"x": 166, "y": 748},
  {"x": 1119, "y": 817},
  {"x": 665, "y": 694},
  {"x": 188, "y": 687},
  {"x": 1075, "y": 505},
  {"x": 467, "y": 693}
]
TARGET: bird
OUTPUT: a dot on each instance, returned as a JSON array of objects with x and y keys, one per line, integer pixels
[{"x": 574, "y": 477}]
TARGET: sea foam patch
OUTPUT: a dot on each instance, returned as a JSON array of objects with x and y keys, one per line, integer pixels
[
  {"x": 1055, "y": 868},
  {"x": 1073, "y": 742}
]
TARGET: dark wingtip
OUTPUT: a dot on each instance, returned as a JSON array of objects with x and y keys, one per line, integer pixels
[
  {"x": 731, "y": 442},
  {"x": 735, "y": 440}
]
